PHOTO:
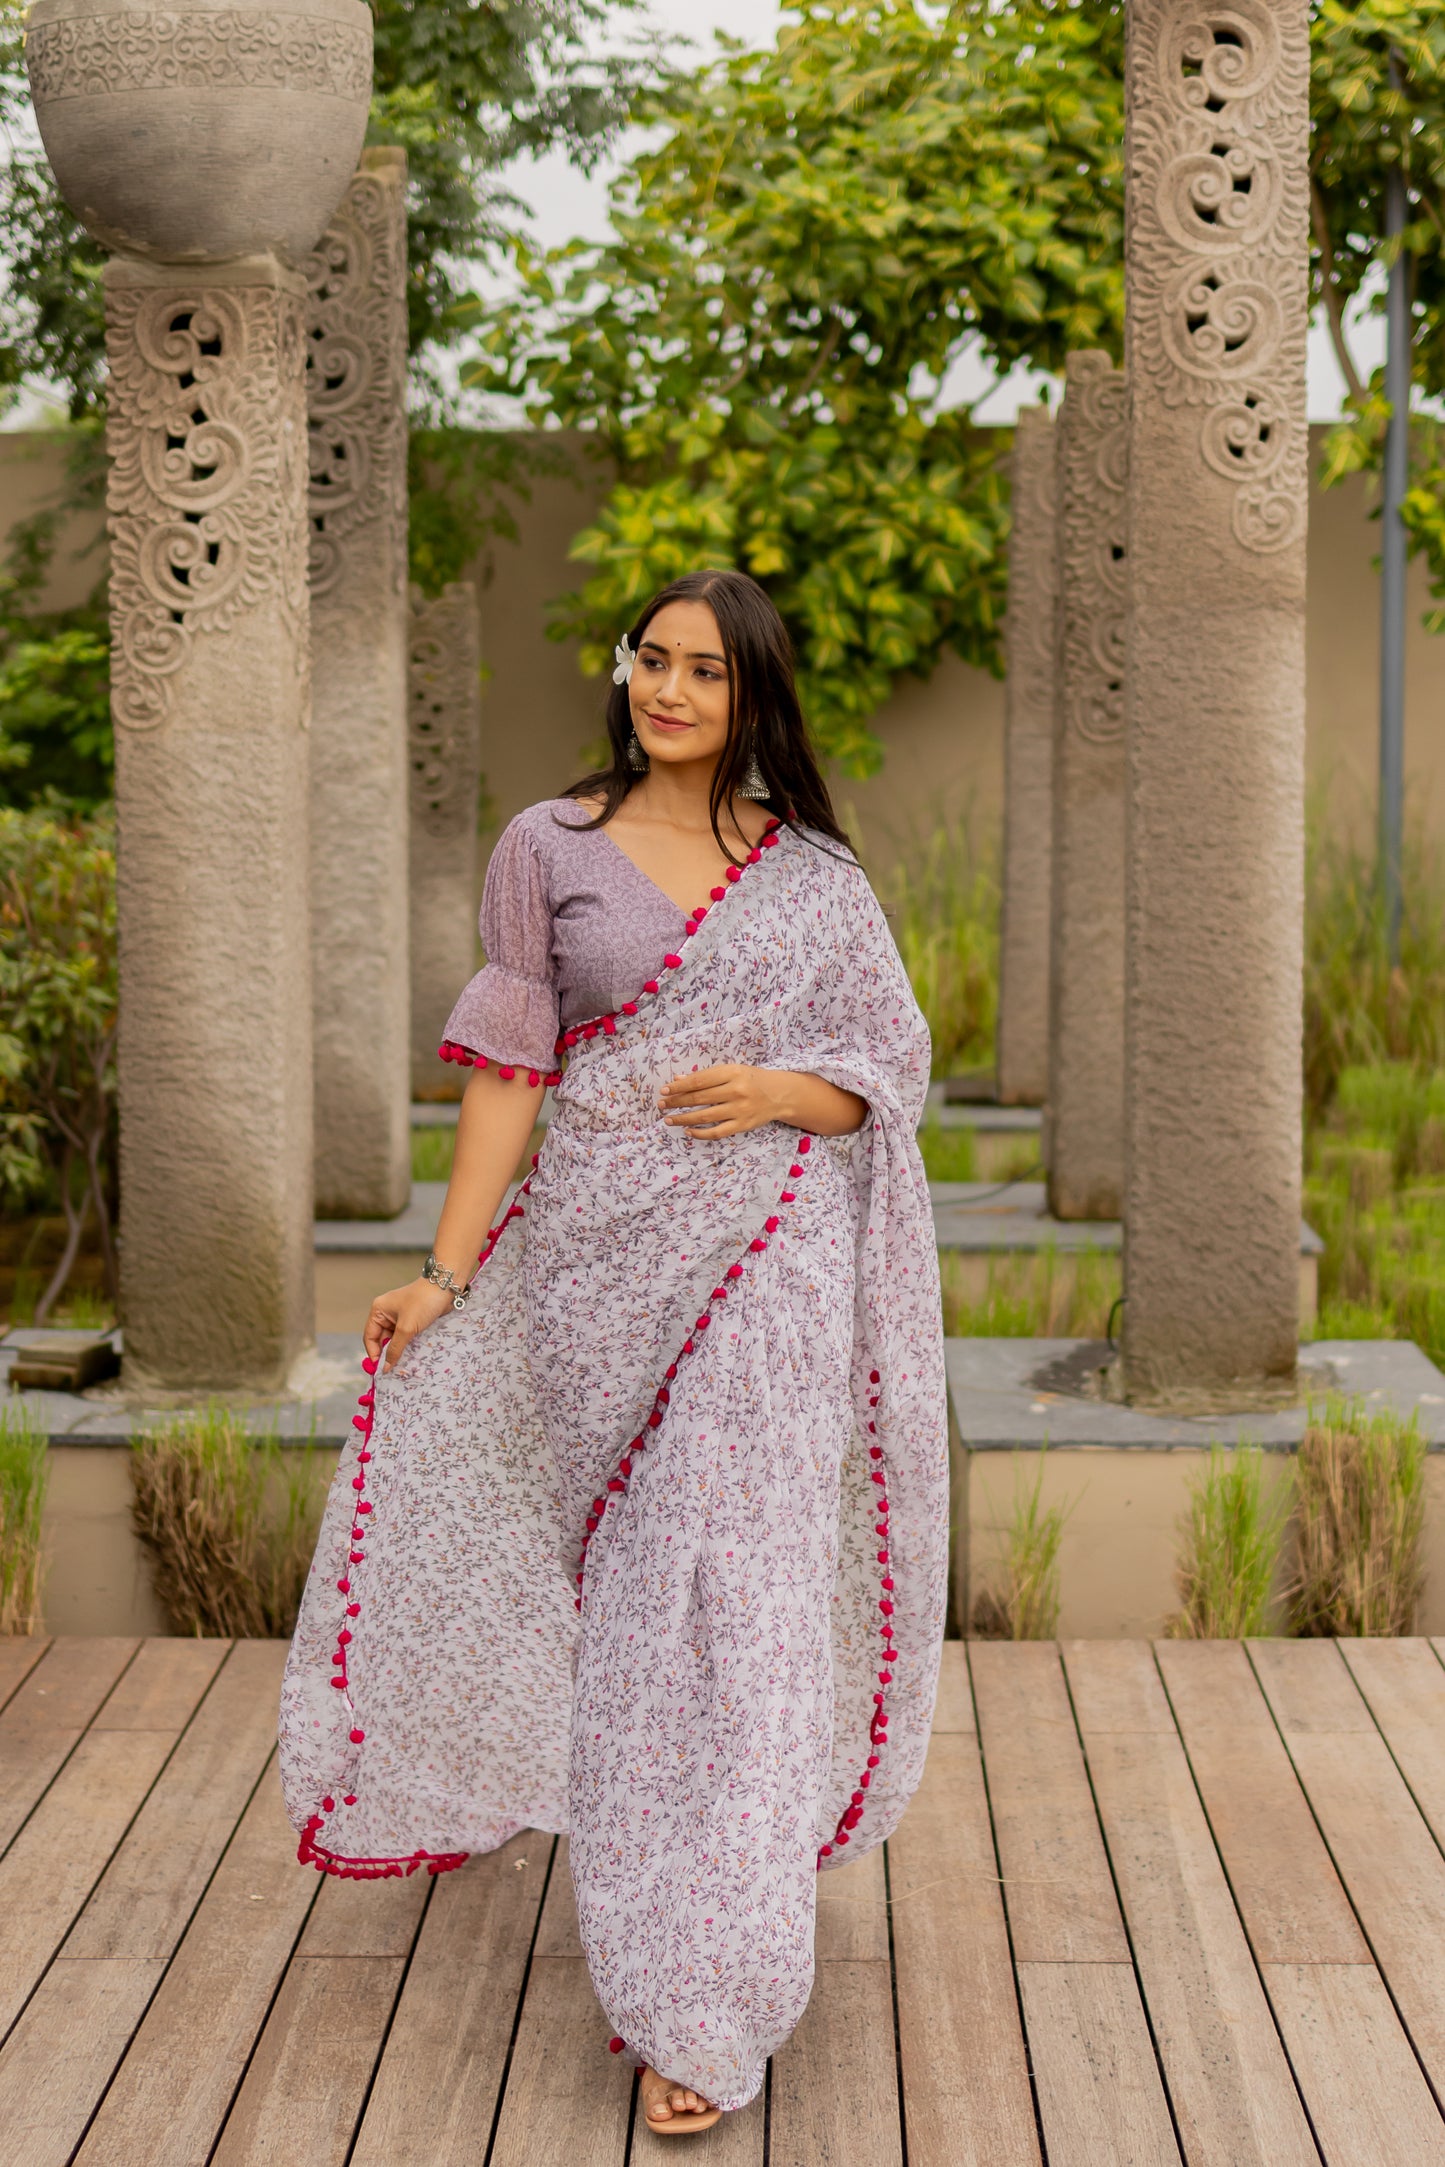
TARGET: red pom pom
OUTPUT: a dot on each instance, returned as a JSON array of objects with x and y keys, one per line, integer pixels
[
  {"x": 654, "y": 1420},
  {"x": 614, "y": 1485},
  {"x": 649, "y": 985},
  {"x": 344, "y": 1637},
  {"x": 358, "y": 1482},
  {"x": 826, "y": 1851},
  {"x": 757, "y": 1246},
  {"x": 615, "y": 2046},
  {"x": 358, "y": 1737},
  {"x": 717, "y": 894},
  {"x": 359, "y": 1422},
  {"x": 369, "y": 1365},
  {"x": 732, "y": 874},
  {"x": 787, "y": 1197},
  {"x": 702, "y": 1324},
  {"x": 591, "y": 1521},
  {"x": 349, "y": 1799},
  {"x": 770, "y": 1226},
  {"x": 344, "y": 1586},
  {"x": 887, "y": 1583},
  {"x": 872, "y": 1760},
  {"x": 734, "y": 1271},
  {"x": 533, "y": 1078},
  {"x": 672, "y": 963},
  {"x": 873, "y": 1377},
  {"x": 353, "y": 1610},
  {"x": 754, "y": 857},
  {"x": 624, "y": 1467},
  {"x": 805, "y": 1146},
  {"x": 569, "y": 1038},
  {"x": 340, "y": 1684},
  {"x": 480, "y": 1061},
  {"x": 886, "y": 1607},
  {"x": 841, "y": 1836},
  {"x": 629, "y": 1008},
  {"x": 328, "y": 1805}
]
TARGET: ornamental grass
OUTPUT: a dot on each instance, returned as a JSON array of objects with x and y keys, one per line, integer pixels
[
  {"x": 942, "y": 900},
  {"x": 1023, "y": 1604},
  {"x": 1375, "y": 1192},
  {"x": 1231, "y": 1539},
  {"x": 1359, "y": 1518},
  {"x": 1043, "y": 1294},
  {"x": 230, "y": 1520},
  {"x": 24, "y": 1476}
]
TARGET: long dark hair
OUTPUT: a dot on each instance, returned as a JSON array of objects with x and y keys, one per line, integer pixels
[{"x": 765, "y": 723}]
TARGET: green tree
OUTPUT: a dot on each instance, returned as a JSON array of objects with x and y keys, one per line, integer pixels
[
  {"x": 57, "y": 1022},
  {"x": 824, "y": 226}
]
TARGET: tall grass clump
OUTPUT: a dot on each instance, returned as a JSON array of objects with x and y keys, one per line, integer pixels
[
  {"x": 1231, "y": 1538},
  {"x": 942, "y": 899},
  {"x": 1375, "y": 1191},
  {"x": 1359, "y": 1516},
  {"x": 24, "y": 1474},
  {"x": 1360, "y": 1009},
  {"x": 1025, "y": 1603},
  {"x": 1030, "y": 1295},
  {"x": 230, "y": 1520}
]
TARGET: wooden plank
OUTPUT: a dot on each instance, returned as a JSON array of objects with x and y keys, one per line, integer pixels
[
  {"x": 172, "y": 2091},
  {"x": 1367, "y": 2097},
  {"x": 366, "y": 1918},
  {"x": 303, "y": 2093},
  {"x": 59, "y": 2056},
  {"x": 557, "y": 1933},
  {"x": 953, "y": 1709},
  {"x": 563, "y": 2085},
  {"x": 852, "y": 1917},
  {"x": 1382, "y": 1849},
  {"x": 435, "y": 2094},
  {"x": 1285, "y": 1885},
  {"x": 45, "y": 1716},
  {"x": 1404, "y": 1685},
  {"x": 1230, "y": 2085},
  {"x": 19, "y": 1654},
  {"x": 56, "y": 1860},
  {"x": 1100, "y": 2097},
  {"x": 145, "y": 1898},
  {"x": 835, "y": 2083},
  {"x": 966, "y": 2096},
  {"x": 160, "y": 1689},
  {"x": 1056, "y": 1882}
]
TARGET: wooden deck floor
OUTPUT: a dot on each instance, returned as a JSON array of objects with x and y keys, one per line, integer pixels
[{"x": 1151, "y": 1904}]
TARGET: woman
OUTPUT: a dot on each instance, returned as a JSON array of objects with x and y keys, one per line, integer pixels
[{"x": 645, "y": 1535}]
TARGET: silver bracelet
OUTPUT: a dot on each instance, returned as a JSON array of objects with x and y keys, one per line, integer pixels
[{"x": 442, "y": 1275}]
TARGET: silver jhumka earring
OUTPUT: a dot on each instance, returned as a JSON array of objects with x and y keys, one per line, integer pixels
[
  {"x": 637, "y": 759},
  {"x": 752, "y": 784}
]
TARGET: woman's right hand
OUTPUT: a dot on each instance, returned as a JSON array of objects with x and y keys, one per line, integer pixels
[{"x": 398, "y": 1317}]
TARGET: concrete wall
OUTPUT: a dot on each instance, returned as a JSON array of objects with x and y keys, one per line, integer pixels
[{"x": 944, "y": 739}]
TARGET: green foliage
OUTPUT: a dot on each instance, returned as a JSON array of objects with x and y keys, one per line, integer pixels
[
  {"x": 942, "y": 900},
  {"x": 24, "y": 1476},
  {"x": 230, "y": 1520},
  {"x": 1231, "y": 1538},
  {"x": 1375, "y": 1193},
  {"x": 1043, "y": 1295},
  {"x": 1359, "y": 1519},
  {"x": 1359, "y": 1007},
  {"x": 461, "y": 85},
  {"x": 823, "y": 227},
  {"x": 57, "y": 1021}
]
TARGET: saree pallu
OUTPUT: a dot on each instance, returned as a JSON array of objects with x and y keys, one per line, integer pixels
[{"x": 649, "y": 1544}]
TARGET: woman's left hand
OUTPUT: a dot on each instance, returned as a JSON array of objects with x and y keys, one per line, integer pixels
[
  {"x": 725, "y": 1101},
  {"x": 728, "y": 1101}
]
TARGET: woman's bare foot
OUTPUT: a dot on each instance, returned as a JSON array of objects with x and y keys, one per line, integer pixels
[{"x": 674, "y": 2110}]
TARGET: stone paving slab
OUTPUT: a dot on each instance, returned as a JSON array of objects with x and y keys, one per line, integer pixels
[
  {"x": 320, "y": 1412},
  {"x": 1011, "y": 1393}
]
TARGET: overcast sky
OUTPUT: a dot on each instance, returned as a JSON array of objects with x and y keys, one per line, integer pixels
[{"x": 566, "y": 205}]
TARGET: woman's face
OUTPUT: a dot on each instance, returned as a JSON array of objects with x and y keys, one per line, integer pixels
[{"x": 679, "y": 691}]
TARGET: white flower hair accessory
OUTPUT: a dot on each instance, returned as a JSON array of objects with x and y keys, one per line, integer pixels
[{"x": 623, "y": 656}]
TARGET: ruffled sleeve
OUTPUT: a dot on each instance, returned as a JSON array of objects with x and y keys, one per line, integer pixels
[{"x": 508, "y": 1012}]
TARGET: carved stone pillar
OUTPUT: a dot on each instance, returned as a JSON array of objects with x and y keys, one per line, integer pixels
[
  {"x": 1218, "y": 236},
  {"x": 1023, "y": 968},
  {"x": 356, "y": 402},
  {"x": 206, "y": 430},
  {"x": 445, "y": 736},
  {"x": 1086, "y": 977}
]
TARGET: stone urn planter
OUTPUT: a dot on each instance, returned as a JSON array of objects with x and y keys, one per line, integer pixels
[{"x": 204, "y": 131}]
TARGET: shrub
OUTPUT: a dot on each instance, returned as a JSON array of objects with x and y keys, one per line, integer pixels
[
  {"x": 58, "y": 992},
  {"x": 230, "y": 1520},
  {"x": 1232, "y": 1535},
  {"x": 24, "y": 1475},
  {"x": 1360, "y": 1512}
]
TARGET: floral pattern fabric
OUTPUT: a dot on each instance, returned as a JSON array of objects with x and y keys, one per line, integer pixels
[{"x": 649, "y": 1544}]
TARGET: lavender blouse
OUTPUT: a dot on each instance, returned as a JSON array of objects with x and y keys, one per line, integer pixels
[{"x": 570, "y": 928}]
